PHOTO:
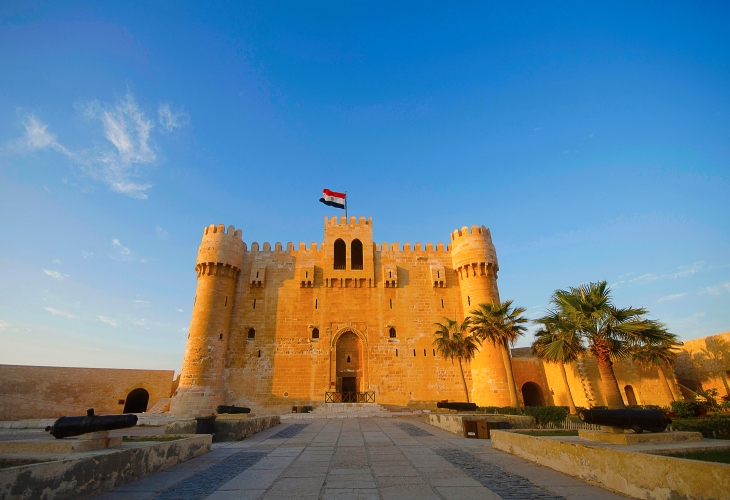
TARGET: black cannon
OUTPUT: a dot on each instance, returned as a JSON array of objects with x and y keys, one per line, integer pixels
[
  {"x": 76, "y": 426},
  {"x": 233, "y": 409},
  {"x": 457, "y": 406},
  {"x": 636, "y": 420}
]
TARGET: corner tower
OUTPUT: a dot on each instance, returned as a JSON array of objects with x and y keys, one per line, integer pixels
[
  {"x": 475, "y": 263},
  {"x": 201, "y": 380}
]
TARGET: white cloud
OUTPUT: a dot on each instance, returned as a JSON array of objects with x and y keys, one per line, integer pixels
[
  {"x": 680, "y": 272},
  {"x": 139, "y": 322},
  {"x": 723, "y": 287},
  {"x": 108, "y": 321},
  {"x": 3, "y": 325},
  {"x": 143, "y": 303},
  {"x": 179, "y": 310},
  {"x": 86, "y": 255},
  {"x": 56, "y": 261},
  {"x": 36, "y": 137},
  {"x": 169, "y": 119},
  {"x": 57, "y": 312},
  {"x": 667, "y": 298},
  {"x": 162, "y": 233},
  {"x": 55, "y": 274},
  {"x": 125, "y": 253},
  {"x": 128, "y": 130}
]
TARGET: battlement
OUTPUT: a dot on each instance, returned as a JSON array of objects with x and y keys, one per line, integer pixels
[
  {"x": 342, "y": 221},
  {"x": 278, "y": 248},
  {"x": 407, "y": 248},
  {"x": 221, "y": 228},
  {"x": 474, "y": 230}
]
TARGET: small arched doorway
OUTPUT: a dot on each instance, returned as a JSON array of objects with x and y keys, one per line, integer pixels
[
  {"x": 348, "y": 365},
  {"x": 630, "y": 395},
  {"x": 136, "y": 401},
  {"x": 532, "y": 394}
]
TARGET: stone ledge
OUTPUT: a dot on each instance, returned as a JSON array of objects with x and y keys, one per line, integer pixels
[
  {"x": 630, "y": 472},
  {"x": 454, "y": 423},
  {"x": 93, "y": 473},
  {"x": 630, "y": 438}
]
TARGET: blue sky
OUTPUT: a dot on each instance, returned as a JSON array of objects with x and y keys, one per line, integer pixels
[{"x": 594, "y": 142}]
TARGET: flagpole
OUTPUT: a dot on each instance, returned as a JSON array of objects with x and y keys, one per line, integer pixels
[{"x": 345, "y": 206}]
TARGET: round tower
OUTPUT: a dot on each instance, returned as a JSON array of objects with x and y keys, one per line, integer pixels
[
  {"x": 475, "y": 263},
  {"x": 201, "y": 378}
]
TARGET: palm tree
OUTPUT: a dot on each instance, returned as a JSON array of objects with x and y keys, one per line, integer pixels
[
  {"x": 659, "y": 354},
  {"x": 501, "y": 324},
  {"x": 556, "y": 346},
  {"x": 606, "y": 331},
  {"x": 454, "y": 341}
]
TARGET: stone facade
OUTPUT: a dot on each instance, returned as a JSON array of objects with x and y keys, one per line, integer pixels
[
  {"x": 30, "y": 392},
  {"x": 277, "y": 327},
  {"x": 705, "y": 364}
]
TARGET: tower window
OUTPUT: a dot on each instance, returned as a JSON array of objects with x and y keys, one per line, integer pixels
[
  {"x": 340, "y": 254},
  {"x": 251, "y": 333},
  {"x": 221, "y": 337},
  {"x": 348, "y": 359},
  {"x": 316, "y": 303},
  {"x": 392, "y": 332},
  {"x": 414, "y": 352},
  {"x": 468, "y": 300},
  {"x": 226, "y": 304},
  {"x": 438, "y": 274},
  {"x": 259, "y": 353},
  {"x": 442, "y": 303},
  {"x": 396, "y": 353},
  {"x": 356, "y": 255},
  {"x": 424, "y": 352},
  {"x": 254, "y": 303},
  {"x": 391, "y": 303},
  {"x": 306, "y": 274},
  {"x": 315, "y": 333},
  {"x": 434, "y": 352}
]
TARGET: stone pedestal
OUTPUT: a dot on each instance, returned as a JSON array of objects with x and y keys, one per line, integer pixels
[
  {"x": 85, "y": 442},
  {"x": 614, "y": 435}
]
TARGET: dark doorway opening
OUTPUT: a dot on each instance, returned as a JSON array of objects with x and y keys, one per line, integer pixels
[
  {"x": 340, "y": 254},
  {"x": 532, "y": 394},
  {"x": 137, "y": 401},
  {"x": 349, "y": 385}
]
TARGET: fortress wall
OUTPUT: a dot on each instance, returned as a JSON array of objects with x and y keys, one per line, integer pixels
[
  {"x": 28, "y": 392},
  {"x": 529, "y": 369},
  {"x": 705, "y": 363},
  {"x": 649, "y": 389},
  {"x": 560, "y": 393}
]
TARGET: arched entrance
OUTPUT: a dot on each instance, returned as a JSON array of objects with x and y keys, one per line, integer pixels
[
  {"x": 630, "y": 395},
  {"x": 348, "y": 365},
  {"x": 532, "y": 394},
  {"x": 136, "y": 401}
]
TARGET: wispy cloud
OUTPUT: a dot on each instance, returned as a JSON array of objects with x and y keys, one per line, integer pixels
[
  {"x": 58, "y": 312},
  {"x": 719, "y": 289},
  {"x": 162, "y": 233},
  {"x": 108, "y": 321},
  {"x": 139, "y": 322},
  {"x": 124, "y": 253},
  {"x": 680, "y": 272},
  {"x": 36, "y": 137},
  {"x": 55, "y": 274},
  {"x": 86, "y": 255},
  {"x": 56, "y": 261},
  {"x": 142, "y": 303},
  {"x": 169, "y": 119},
  {"x": 668, "y": 298},
  {"x": 179, "y": 310}
]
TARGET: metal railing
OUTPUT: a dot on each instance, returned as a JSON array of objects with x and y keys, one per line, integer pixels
[
  {"x": 569, "y": 424},
  {"x": 349, "y": 397}
]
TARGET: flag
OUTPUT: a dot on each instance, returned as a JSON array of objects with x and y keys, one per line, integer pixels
[{"x": 333, "y": 198}]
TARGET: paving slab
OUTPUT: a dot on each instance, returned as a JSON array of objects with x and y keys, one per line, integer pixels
[{"x": 359, "y": 458}]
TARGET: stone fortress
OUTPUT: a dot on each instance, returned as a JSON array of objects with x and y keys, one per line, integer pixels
[{"x": 277, "y": 327}]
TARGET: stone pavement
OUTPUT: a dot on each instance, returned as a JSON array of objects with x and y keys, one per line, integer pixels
[{"x": 358, "y": 458}]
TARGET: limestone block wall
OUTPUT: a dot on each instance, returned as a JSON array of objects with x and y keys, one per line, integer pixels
[
  {"x": 530, "y": 369},
  {"x": 705, "y": 363},
  {"x": 28, "y": 392}
]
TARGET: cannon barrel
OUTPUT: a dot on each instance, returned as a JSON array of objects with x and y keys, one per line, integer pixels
[
  {"x": 457, "y": 406},
  {"x": 637, "y": 420},
  {"x": 233, "y": 409},
  {"x": 76, "y": 426}
]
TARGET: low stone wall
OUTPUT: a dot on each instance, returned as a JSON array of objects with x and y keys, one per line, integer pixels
[
  {"x": 454, "y": 423},
  {"x": 226, "y": 427},
  {"x": 637, "y": 475},
  {"x": 97, "y": 472}
]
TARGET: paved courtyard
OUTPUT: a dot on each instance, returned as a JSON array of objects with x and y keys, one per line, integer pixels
[{"x": 357, "y": 458}]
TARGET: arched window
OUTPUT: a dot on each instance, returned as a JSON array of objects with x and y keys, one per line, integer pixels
[
  {"x": 315, "y": 333},
  {"x": 251, "y": 333},
  {"x": 392, "y": 332},
  {"x": 340, "y": 254},
  {"x": 356, "y": 254}
]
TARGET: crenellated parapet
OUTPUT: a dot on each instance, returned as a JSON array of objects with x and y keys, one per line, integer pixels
[
  {"x": 343, "y": 221},
  {"x": 220, "y": 252},
  {"x": 473, "y": 253}
]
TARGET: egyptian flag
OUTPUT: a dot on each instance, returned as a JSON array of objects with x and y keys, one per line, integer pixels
[{"x": 333, "y": 199}]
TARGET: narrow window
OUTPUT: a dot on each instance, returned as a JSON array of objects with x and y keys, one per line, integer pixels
[
  {"x": 442, "y": 303},
  {"x": 390, "y": 274},
  {"x": 315, "y": 303},
  {"x": 434, "y": 352},
  {"x": 392, "y": 332},
  {"x": 221, "y": 337},
  {"x": 391, "y": 303},
  {"x": 306, "y": 274},
  {"x": 356, "y": 255},
  {"x": 259, "y": 353},
  {"x": 414, "y": 352},
  {"x": 468, "y": 300},
  {"x": 396, "y": 353},
  {"x": 257, "y": 274},
  {"x": 340, "y": 254},
  {"x": 251, "y": 333},
  {"x": 438, "y": 274},
  {"x": 226, "y": 304},
  {"x": 254, "y": 303},
  {"x": 424, "y": 352},
  {"x": 348, "y": 359},
  {"x": 315, "y": 333}
]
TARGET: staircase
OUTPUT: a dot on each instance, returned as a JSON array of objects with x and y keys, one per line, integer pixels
[{"x": 343, "y": 410}]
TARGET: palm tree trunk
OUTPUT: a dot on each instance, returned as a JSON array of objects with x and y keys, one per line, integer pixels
[
  {"x": 571, "y": 403},
  {"x": 663, "y": 377},
  {"x": 513, "y": 399},
  {"x": 609, "y": 384},
  {"x": 724, "y": 382},
  {"x": 463, "y": 379}
]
